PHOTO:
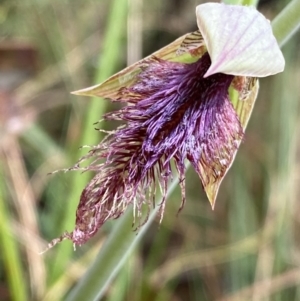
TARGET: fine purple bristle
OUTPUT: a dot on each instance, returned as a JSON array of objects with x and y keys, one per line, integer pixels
[{"x": 174, "y": 114}]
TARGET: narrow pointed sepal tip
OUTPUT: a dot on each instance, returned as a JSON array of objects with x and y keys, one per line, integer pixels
[
  {"x": 80, "y": 93},
  {"x": 213, "y": 205},
  {"x": 90, "y": 91},
  {"x": 212, "y": 192},
  {"x": 212, "y": 202}
]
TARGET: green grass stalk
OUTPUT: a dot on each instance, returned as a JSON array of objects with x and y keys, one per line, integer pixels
[
  {"x": 287, "y": 22},
  {"x": 108, "y": 60},
  {"x": 10, "y": 255}
]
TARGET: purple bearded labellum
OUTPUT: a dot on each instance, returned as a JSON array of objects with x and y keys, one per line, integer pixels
[{"x": 191, "y": 100}]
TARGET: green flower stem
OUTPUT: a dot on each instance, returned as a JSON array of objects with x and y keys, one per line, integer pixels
[
  {"x": 108, "y": 60},
  {"x": 10, "y": 255},
  {"x": 287, "y": 22},
  {"x": 116, "y": 250}
]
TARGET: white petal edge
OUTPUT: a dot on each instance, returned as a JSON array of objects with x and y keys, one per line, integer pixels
[{"x": 239, "y": 40}]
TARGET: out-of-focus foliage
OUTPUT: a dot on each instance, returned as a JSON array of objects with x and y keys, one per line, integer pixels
[{"x": 246, "y": 249}]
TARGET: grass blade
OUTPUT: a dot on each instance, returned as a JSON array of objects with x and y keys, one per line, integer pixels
[
  {"x": 287, "y": 22},
  {"x": 107, "y": 64},
  {"x": 10, "y": 254}
]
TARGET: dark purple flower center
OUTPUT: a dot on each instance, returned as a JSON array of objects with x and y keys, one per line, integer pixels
[
  {"x": 178, "y": 112},
  {"x": 174, "y": 113}
]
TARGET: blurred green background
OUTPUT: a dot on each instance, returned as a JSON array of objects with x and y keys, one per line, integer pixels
[{"x": 248, "y": 248}]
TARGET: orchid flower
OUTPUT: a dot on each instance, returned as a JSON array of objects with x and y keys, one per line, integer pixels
[{"x": 189, "y": 101}]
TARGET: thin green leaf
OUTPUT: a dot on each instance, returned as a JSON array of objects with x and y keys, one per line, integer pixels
[
  {"x": 11, "y": 255},
  {"x": 108, "y": 60},
  {"x": 286, "y": 24}
]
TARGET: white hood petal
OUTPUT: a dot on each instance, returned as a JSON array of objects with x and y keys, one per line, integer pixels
[{"x": 239, "y": 40}]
